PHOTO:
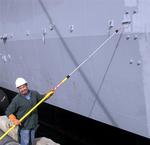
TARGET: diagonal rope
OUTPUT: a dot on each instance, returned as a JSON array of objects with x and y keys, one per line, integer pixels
[{"x": 106, "y": 72}]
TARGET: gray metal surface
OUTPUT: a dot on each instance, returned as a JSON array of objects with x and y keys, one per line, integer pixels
[
  {"x": 43, "y": 41},
  {"x": 7, "y": 140}
]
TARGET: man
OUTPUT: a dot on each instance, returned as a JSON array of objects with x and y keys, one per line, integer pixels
[{"x": 19, "y": 106}]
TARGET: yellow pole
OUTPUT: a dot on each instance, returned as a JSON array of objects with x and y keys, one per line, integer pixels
[{"x": 32, "y": 109}]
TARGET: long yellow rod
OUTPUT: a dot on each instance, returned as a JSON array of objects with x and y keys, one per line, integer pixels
[{"x": 33, "y": 108}]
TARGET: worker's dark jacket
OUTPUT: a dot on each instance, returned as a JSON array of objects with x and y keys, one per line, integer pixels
[{"x": 20, "y": 106}]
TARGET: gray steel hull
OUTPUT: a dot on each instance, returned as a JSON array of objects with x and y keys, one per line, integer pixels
[{"x": 46, "y": 40}]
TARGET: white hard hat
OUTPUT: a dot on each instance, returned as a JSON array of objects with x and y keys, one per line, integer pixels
[{"x": 20, "y": 81}]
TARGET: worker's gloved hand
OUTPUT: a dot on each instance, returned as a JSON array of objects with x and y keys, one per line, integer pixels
[
  {"x": 14, "y": 119},
  {"x": 50, "y": 93}
]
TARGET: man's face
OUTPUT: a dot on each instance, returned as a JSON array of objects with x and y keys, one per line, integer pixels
[{"x": 23, "y": 89}]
